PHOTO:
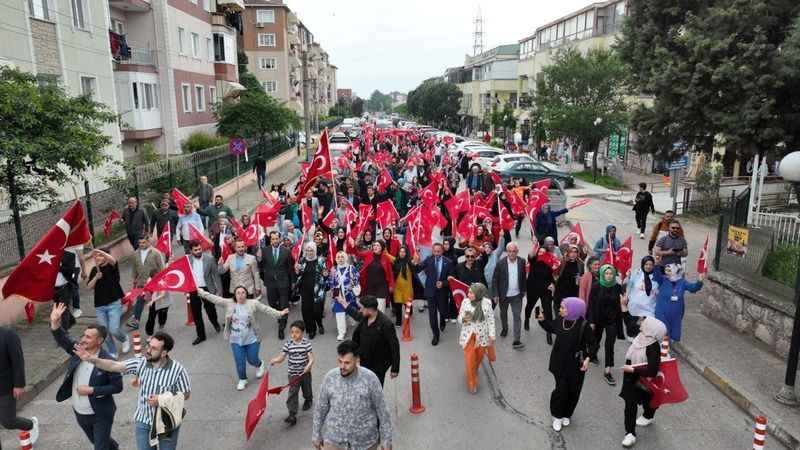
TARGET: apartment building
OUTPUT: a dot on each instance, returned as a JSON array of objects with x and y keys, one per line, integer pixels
[{"x": 277, "y": 44}]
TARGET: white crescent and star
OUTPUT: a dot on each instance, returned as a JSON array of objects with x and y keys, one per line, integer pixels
[
  {"x": 178, "y": 274},
  {"x": 45, "y": 257}
]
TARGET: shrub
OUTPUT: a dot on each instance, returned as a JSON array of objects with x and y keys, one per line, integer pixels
[
  {"x": 201, "y": 141},
  {"x": 781, "y": 265}
]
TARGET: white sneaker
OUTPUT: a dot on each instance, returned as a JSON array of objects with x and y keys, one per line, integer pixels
[
  {"x": 76, "y": 313},
  {"x": 35, "y": 430},
  {"x": 261, "y": 369},
  {"x": 242, "y": 384},
  {"x": 126, "y": 346},
  {"x": 453, "y": 320},
  {"x": 565, "y": 421},
  {"x": 340, "y": 338},
  {"x": 643, "y": 421},
  {"x": 641, "y": 235},
  {"x": 629, "y": 440},
  {"x": 557, "y": 424}
]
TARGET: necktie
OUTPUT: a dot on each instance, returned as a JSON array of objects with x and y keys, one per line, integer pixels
[
  {"x": 275, "y": 254},
  {"x": 438, "y": 267}
]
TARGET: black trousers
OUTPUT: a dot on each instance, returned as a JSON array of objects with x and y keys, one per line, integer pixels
[
  {"x": 566, "y": 394},
  {"x": 399, "y": 312},
  {"x": 632, "y": 407},
  {"x": 641, "y": 220},
  {"x": 292, "y": 398},
  {"x": 611, "y": 338},
  {"x": 8, "y": 415},
  {"x": 198, "y": 304},
  {"x": 98, "y": 430},
  {"x": 278, "y": 298},
  {"x": 311, "y": 312},
  {"x": 151, "y": 318},
  {"x": 437, "y": 310},
  {"x": 540, "y": 294}
]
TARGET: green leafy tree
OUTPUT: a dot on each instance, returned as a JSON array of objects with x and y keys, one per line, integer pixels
[
  {"x": 401, "y": 109},
  {"x": 379, "y": 101},
  {"x": 357, "y": 107},
  {"x": 583, "y": 96},
  {"x": 342, "y": 108},
  {"x": 255, "y": 115},
  {"x": 503, "y": 118},
  {"x": 435, "y": 102}
]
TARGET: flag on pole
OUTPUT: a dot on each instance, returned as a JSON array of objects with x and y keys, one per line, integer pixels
[
  {"x": 666, "y": 386},
  {"x": 459, "y": 290},
  {"x": 623, "y": 260},
  {"x": 702, "y": 265},
  {"x": 180, "y": 199},
  {"x": 256, "y": 407},
  {"x": 164, "y": 243},
  {"x": 197, "y": 235},
  {"x": 176, "y": 277},
  {"x": 109, "y": 222},
  {"x": 320, "y": 165}
]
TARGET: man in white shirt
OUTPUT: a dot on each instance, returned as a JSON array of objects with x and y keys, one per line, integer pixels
[
  {"x": 206, "y": 276},
  {"x": 509, "y": 283}
]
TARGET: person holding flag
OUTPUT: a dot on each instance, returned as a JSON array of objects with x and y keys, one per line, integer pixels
[
  {"x": 104, "y": 279},
  {"x": 605, "y": 315},
  {"x": 609, "y": 240},
  {"x": 145, "y": 260},
  {"x": 311, "y": 276},
  {"x": 343, "y": 282},
  {"x": 546, "y": 223},
  {"x": 477, "y": 336},
  {"x": 206, "y": 276}
]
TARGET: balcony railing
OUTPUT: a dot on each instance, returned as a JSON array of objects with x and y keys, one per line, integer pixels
[{"x": 141, "y": 56}]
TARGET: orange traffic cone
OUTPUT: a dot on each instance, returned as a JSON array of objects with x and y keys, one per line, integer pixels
[
  {"x": 25, "y": 440},
  {"x": 407, "y": 323},
  {"x": 189, "y": 316}
]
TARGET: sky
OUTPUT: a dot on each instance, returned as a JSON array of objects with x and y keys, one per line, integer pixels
[{"x": 394, "y": 45}]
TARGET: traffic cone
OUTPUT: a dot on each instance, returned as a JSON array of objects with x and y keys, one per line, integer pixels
[
  {"x": 760, "y": 433},
  {"x": 407, "y": 323},
  {"x": 137, "y": 343},
  {"x": 25, "y": 440},
  {"x": 665, "y": 348},
  {"x": 189, "y": 316},
  {"x": 416, "y": 401}
]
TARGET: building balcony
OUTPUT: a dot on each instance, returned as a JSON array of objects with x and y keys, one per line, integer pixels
[
  {"x": 131, "y": 59},
  {"x": 131, "y": 5},
  {"x": 235, "y": 5}
]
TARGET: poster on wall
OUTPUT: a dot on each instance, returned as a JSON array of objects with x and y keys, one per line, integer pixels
[{"x": 737, "y": 241}]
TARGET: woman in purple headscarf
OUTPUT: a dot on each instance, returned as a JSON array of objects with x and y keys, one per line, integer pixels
[{"x": 569, "y": 359}]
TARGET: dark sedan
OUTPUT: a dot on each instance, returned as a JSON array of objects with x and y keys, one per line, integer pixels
[{"x": 535, "y": 171}]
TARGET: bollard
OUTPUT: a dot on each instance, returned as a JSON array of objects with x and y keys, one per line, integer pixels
[
  {"x": 137, "y": 344},
  {"x": 760, "y": 433},
  {"x": 25, "y": 440},
  {"x": 189, "y": 316},
  {"x": 665, "y": 348},
  {"x": 407, "y": 323},
  {"x": 416, "y": 402}
]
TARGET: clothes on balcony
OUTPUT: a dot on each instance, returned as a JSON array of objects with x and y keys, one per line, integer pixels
[{"x": 119, "y": 46}]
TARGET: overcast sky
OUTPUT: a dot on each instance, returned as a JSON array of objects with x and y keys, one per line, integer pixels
[{"x": 394, "y": 45}]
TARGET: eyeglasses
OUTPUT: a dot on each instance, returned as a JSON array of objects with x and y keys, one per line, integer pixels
[
  {"x": 469, "y": 256},
  {"x": 675, "y": 228}
]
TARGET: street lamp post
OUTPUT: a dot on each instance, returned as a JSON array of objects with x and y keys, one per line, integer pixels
[{"x": 790, "y": 171}]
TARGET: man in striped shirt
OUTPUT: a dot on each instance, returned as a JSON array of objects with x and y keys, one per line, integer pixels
[{"x": 157, "y": 373}]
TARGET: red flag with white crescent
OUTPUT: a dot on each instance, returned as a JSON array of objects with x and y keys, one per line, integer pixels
[
  {"x": 542, "y": 185},
  {"x": 666, "y": 386},
  {"x": 180, "y": 199},
  {"x": 296, "y": 250},
  {"x": 386, "y": 214},
  {"x": 579, "y": 203},
  {"x": 176, "y": 277},
  {"x": 457, "y": 204},
  {"x": 624, "y": 258},
  {"x": 702, "y": 266},
  {"x": 575, "y": 236},
  {"x": 384, "y": 180},
  {"x": 320, "y": 166},
  {"x": 164, "y": 243},
  {"x": 197, "y": 235},
  {"x": 608, "y": 256},
  {"x": 459, "y": 290},
  {"x": 109, "y": 222},
  {"x": 507, "y": 221},
  {"x": 306, "y": 217},
  {"x": 256, "y": 407}
]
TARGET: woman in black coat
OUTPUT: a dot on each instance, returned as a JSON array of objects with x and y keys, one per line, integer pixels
[
  {"x": 569, "y": 359},
  {"x": 605, "y": 315}
]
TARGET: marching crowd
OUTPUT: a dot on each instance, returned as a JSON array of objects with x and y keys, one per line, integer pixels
[{"x": 398, "y": 217}]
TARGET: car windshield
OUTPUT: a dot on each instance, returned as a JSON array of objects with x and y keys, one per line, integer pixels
[
  {"x": 339, "y": 140},
  {"x": 549, "y": 166}
]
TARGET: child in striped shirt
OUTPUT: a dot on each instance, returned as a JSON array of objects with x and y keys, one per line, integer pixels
[{"x": 297, "y": 349}]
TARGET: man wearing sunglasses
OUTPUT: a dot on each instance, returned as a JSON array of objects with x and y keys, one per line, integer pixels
[
  {"x": 672, "y": 247},
  {"x": 468, "y": 271}
]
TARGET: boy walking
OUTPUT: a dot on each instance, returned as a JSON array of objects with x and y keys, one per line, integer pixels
[{"x": 301, "y": 359}]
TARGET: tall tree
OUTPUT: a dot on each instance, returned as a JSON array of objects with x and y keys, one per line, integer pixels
[
  {"x": 255, "y": 115},
  {"x": 435, "y": 102},
  {"x": 583, "y": 96},
  {"x": 379, "y": 101},
  {"x": 358, "y": 106}
]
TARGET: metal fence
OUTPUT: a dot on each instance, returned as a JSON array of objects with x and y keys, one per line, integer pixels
[
  {"x": 786, "y": 227},
  {"x": 146, "y": 182}
]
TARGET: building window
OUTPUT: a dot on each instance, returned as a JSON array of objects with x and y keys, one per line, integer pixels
[
  {"x": 186, "y": 98},
  {"x": 219, "y": 47},
  {"x": 135, "y": 87},
  {"x": 200, "y": 97},
  {"x": 79, "y": 14},
  {"x": 209, "y": 49},
  {"x": 265, "y": 16},
  {"x": 270, "y": 86},
  {"x": 89, "y": 86},
  {"x": 266, "y": 39},
  {"x": 148, "y": 96},
  {"x": 212, "y": 94},
  {"x": 39, "y": 9},
  {"x": 267, "y": 63},
  {"x": 195, "y": 45},
  {"x": 181, "y": 41}
]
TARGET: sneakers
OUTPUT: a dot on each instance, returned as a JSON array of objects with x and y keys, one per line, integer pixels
[
  {"x": 641, "y": 235},
  {"x": 629, "y": 440},
  {"x": 261, "y": 369},
  {"x": 34, "y": 431},
  {"x": 565, "y": 421},
  {"x": 307, "y": 404},
  {"x": 557, "y": 424},
  {"x": 126, "y": 345},
  {"x": 291, "y": 420},
  {"x": 340, "y": 337},
  {"x": 76, "y": 313},
  {"x": 241, "y": 385},
  {"x": 643, "y": 421},
  {"x": 610, "y": 379},
  {"x": 517, "y": 345}
]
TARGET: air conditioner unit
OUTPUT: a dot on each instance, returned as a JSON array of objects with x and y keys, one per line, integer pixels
[{"x": 259, "y": 25}]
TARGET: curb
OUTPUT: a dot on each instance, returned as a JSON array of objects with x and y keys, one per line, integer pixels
[{"x": 737, "y": 395}]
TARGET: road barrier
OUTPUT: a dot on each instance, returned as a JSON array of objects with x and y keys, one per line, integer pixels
[
  {"x": 760, "y": 433},
  {"x": 407, "y": 323},
  {"x": 665, "y": 348},
  {"x": 137, "y": 344},
  {"x": 416, "y": 402},
  {"x": 25, "y": 440},
  {"x": 189, "y": 316}
]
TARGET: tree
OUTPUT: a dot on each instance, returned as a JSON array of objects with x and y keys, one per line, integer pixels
[
  {"x": 401, "y": 110},
  {"x": 256, "y": 114},
  {"x": 379, "y": 102},
  {"x": 583, "y": 96},
  {"x": 435, "y": 102},
  {"x": 715, "y": 70},
  {"x": 342, "y": 108},
  {"x": 47, "y": 139},
  {"x": 503, "y": 118},
  {"x": 357, "y": 107}
]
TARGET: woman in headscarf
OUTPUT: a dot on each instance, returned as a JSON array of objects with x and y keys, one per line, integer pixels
[
  {"x": 311, "y": 282},
  {"x": 539, "y": 284},
  {"x": 343, "y": 282},
  {"x": 605, "y": 314},
  {"x": 568, "y": 277},
  {"x": 569, "y": 359},
  {"x": 390, "y": 242},
  {"x": 365, "y": 243},
  {"x": 670, "y": 298},
  {"x": 589, "y": 277},
  {"x": 477, "y": 332},
  {"x": 341, "y": 239},
  {"x": 403, "y": 284},
  {"x": 642, "y": 360},
  {"x": 642, "y": 289},
  {"x": 376, "y": 275}
]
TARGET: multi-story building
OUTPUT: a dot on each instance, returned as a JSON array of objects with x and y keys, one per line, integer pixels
[
  {"x": 487, "y": 81},
  {"x": 398, "y": 98},
  {"x": 277, "y": 45},
  {"x": 344, "y": 94}
]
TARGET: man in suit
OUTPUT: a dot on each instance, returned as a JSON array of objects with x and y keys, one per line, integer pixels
[
  {"x": 206, "y": 276},
  {"x": 145, "y": 260},
  {"x": 509, "y": 287},
  {"x": 12, "y": 383},
  {"x": 275, "y": 264},
  {"x": 243, "y": 269},
  {"x": 436, "y": 268},
  {"x": 90, "y": 388}
]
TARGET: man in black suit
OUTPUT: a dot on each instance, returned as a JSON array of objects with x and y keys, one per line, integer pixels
[
  {"x": 12, "y": 384},
  {"x": 436, "y": 268},
  {"x": 509, "y": 287},
  {"x": 91, "y": 389},
  {"x": 276, "y": 267}
]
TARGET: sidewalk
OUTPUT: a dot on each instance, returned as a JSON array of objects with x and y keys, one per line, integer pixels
[{"x": 45, "y": 362}]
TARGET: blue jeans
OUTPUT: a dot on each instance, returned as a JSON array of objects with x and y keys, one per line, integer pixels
[
  {"x": 143, "y": 438},
  {"x": 109, "y": 317},
  {"x": 243, "y": 354},
  {"x": 261, "y": 178},
  {"x": 138, "y": 308}
]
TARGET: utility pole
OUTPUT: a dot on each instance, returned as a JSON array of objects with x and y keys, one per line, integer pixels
[
  {"x": 305, "y": 104},
  {"x": 316, "y": 105}
]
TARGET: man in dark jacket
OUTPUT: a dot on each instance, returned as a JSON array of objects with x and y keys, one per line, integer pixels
[
  {"x": 90, "y": 388},
  {"x": 165, "y": 215},
  {"x": 468, "y": 272},
  {"x": 642, "y": 205},
  {"x": 376, "y": 338},
  {"x": 136, "y": 223},
  {"x": 436, "y": 268},
  {"x": 276, "y": 267},
  {"x": 509, "y": 282},
  {"x": 260, "y": 169},
  {"x": 546, "y": 225},
  {"x": 12, "y": 384}
]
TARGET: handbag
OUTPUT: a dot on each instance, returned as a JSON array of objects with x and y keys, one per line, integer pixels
[{"x": 580, "y": 355}]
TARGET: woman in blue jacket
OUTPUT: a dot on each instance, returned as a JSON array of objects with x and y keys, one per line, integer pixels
[{"x": 670, "y": 305}]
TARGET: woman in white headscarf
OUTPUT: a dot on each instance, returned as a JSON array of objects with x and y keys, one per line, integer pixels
[
  {"x": 311, "y": 283},
  {"x": 344, "y": 283},
  {"x": 643, "y": 359}
]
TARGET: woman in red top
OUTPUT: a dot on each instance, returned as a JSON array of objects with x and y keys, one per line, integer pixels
[
  {"x": 376, "y": 276},
  {"x": 391, "y": 242}
]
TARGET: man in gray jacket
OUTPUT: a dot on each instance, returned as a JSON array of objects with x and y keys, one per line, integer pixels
[{"x": 206, "y": 276}]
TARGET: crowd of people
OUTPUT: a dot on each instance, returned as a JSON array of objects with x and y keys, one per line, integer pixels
[{"x": 330, "y": 246}]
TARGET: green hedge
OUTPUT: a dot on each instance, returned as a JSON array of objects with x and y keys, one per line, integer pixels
[
  {"x": 602, "y": 180},
  {"x": 201, "y": 141},
  {"x": 781, "y": 265}
]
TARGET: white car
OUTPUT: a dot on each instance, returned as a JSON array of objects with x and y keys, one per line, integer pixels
[
  {"x": 484, "y": 156},
  {"x": 339, "y": 143},
  {"x": 466, "y": 145},
  {"x": 502, "y": 161}
]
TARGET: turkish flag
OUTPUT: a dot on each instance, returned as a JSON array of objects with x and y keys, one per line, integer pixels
[
  {"x": 411, "y": 242},
  {"x": 384, "y": 180},
  {"x": 176, "y": 277},
  {"x": 459, "y": 290},
  {"x": 448, "y": 140},
  {"x": 576, "y": 232},
  {"x": 320, "y": 165},
  {"x": 624, "y": 258},
  {"x": 296, "y": 249},
  {"x": 507, "y": 221},
  {"x": 365, "y": 214},
  {"x": 702, "y": 266},
  {"x": 225, "y": 250},
  {"x": 608, "y": 256},
  {"x": 537, "y": 198},
  {"x": 329, "y": 218},
  {"x": 251, "y": 235},
  {"x": 256, "y": 407},
  {"x": 496, "y": 178},
  {"x": 331, "y": 250},
  {"x": 237, "y": 227},
  {"x": 307, "y": 216},
  {"x": 550, "y": 259},
  {"x": 350, "y": 214},
  {"x": 579, "y": 203},
  {"x": 267, "y": 215},
  {"x": 132, "y": 295},
  {"x": 429, "y": 194},
  {"x": 164, "y": 243},
  {"x": 197, "y": 235},
  {"x": 467, "y": 228},
  {"x": 304, "y": 166},
  {"x": 517, "y": 204},
  {"x": 34, "y": 278},
  {"x": 180, "y": 200},
  {"x": 542, "y": 185},
  {"x": 666, "y": 387},
  {"x": 386, "y": 214},
  {"x": 457, "y": 204},
  {"x": 109, "y": 222}
]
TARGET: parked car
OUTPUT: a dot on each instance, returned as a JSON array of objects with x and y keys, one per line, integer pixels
[
  {"x": 339, "y": 143},
  {"x": 483, "y": 156},
  {"x": 500, "y": 162},
  {"x": 535, "y": 171}
]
